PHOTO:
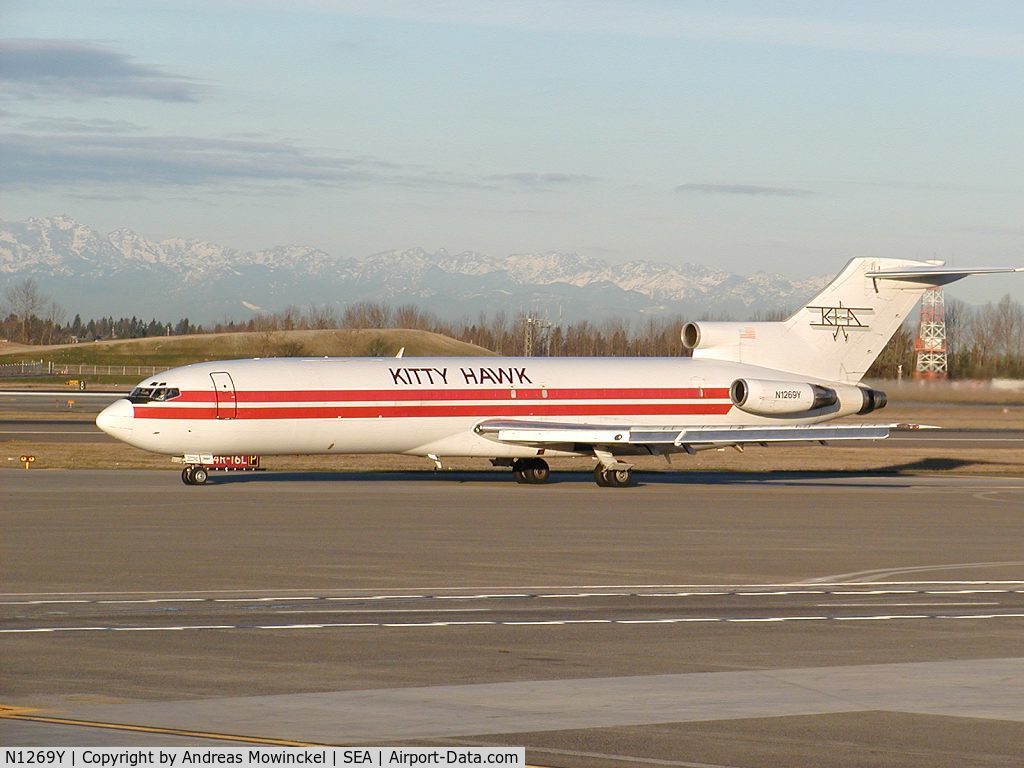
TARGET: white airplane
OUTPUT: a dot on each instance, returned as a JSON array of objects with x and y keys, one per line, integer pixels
[{"x": 757, "y": 382}]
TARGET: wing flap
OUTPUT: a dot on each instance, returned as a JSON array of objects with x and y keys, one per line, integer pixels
[{"x": 540, "y": 433}]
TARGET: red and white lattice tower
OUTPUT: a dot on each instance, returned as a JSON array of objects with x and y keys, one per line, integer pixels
[{"x": 930, "y": 345}]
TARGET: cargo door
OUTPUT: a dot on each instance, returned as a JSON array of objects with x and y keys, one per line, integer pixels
[{"x": 224, "y": 395}]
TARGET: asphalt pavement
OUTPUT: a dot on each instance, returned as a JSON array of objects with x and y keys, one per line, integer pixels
[{"x": 725, "y": 619}]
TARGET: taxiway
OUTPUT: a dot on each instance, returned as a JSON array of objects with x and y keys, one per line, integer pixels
[{"x": 709, "y": 618}]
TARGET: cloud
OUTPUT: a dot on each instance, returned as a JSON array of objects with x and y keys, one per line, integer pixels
[
  {"x": 995, "y": 38},
  {"x": 105, "y": 158},
  {"x": 101, "y": 159},
  {"x": 81, "y": 70},
  {"x": 743, "y": 189},
  {"x": 77, "y": 125},
  {"x": 529, "y": 179}
]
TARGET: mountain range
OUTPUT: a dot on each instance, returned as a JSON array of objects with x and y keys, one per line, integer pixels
[{"x": 124, "y": 273}]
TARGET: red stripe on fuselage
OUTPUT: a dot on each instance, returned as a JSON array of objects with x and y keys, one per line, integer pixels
[
  {"x": 440, "y": 411},
  {"x": 405, "y": 395}
]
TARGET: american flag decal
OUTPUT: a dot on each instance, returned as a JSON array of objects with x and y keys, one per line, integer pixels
[{"x": 748, "y": 332}]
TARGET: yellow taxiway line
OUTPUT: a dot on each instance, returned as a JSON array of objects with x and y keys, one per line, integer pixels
[
  {"x": 34, "y": 716},
  {"x": 28, "y": 714}
]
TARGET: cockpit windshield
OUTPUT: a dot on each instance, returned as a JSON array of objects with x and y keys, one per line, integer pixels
[{"x": 155, "y": 393}]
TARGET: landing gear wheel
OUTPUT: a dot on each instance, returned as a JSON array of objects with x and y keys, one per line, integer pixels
[
  {"x": 613, "y": 478},
  {"x": 531, "y": 471},
  {"x": 186, "y": 476},
  {"x": 620, "y": 478},
  {"x": 199, "y": 476},
  {"x": 538, "y": 472}
]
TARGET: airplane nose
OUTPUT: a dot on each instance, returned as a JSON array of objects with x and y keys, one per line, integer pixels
[{"x": 116, "y": 419}]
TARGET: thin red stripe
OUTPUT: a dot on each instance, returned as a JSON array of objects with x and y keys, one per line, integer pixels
[{"x": 421, "y": 411}]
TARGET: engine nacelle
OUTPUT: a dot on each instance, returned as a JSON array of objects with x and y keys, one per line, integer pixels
[
  {"x": 714, "y": 334},
  {"x": 874, "y": 399},
  {"x": 780, "y": 398}
]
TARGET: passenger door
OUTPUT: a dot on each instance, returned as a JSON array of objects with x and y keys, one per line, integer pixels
[{"x": 224, "y": 395}]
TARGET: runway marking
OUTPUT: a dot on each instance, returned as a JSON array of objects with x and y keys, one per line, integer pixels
[
  {"x": 902, "y": 605},
  {"x": 9, "y": 711},
  {"x": 862, "y": 576},
  {"x": 627, "y": 758},
  {"x": 742, "y": 592},
  {"x": 89, "y": 432},
  {"x": 517, "y": 623},
  {"x": 411, "y": 592},
  {"x": 13, "y": 713},
  {"x": 876, "y": 592},
  {"x": 963, "y": 439},
  {"x": 151, "y": 600},
  {"x": 987, "y": 496},
  {"x": 439, "y": 610},
  {"x": 259, "y": 599}
]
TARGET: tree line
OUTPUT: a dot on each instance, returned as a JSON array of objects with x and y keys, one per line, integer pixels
[{"x": 984, "y": 342}]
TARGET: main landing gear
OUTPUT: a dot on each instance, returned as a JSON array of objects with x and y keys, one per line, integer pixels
[
  {"x": 531, "y": 471},
  {"x": 192, "y": 475},
  {"x": 537, "y": 472},
  {"x": 613, "y": 478}
]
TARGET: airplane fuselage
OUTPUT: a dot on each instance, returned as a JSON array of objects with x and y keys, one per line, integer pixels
[{"x": 423, "y": 406}]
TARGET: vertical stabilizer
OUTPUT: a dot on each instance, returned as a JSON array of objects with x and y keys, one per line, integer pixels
[{"x": 841, "y": 331}]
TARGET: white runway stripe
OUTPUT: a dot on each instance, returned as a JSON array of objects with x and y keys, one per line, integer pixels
[
  {"x": 410, "y": 592},
  {"x": 524, "y": 623},
  {"x": 745, "y": 592}
]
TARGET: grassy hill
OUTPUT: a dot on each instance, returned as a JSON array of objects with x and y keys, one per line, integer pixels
[{"x": 172, "y": 351}]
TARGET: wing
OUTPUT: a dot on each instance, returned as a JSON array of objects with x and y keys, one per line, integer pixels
[{"x": 669, "y": 437}]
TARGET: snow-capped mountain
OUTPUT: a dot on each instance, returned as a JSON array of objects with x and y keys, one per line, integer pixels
[{"x": 124, "y": 273}]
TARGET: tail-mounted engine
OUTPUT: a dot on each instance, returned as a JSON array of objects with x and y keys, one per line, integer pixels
[
  {"x": 874, "y": 399},
  {"x": 787, "y": 398}
]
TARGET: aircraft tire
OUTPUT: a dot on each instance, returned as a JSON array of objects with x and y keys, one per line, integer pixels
[
  {"x": 520, "y": 476},
  {"x": 186, "y": 476},
  {"x": 601, "y": 476},
  {"x": 620, "y": 478},
  {"x": 537, "y": 472},
  {"x": 199, "y": 476}
]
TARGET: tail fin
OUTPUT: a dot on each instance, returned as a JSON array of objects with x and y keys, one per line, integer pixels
[{"x": 841, "y": 331}]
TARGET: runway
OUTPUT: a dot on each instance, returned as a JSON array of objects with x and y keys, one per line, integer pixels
[
  {"x": 81, "y": 429},
  {"x": 51, "y": 401},
  {"x": 46, "y": 417},
  {"x": 721, "y": 619}
]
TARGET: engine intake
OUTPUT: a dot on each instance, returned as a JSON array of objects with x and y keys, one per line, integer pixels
[{"x": 780, "y": 398}]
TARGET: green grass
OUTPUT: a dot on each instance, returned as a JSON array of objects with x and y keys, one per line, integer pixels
[{"x": 171, "y": 351}]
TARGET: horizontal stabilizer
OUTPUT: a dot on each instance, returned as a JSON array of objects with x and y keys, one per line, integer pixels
[{"x": 937, "y": 275}]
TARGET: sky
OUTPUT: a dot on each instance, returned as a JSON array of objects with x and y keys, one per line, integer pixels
[{"x": 778, "y": 136}]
